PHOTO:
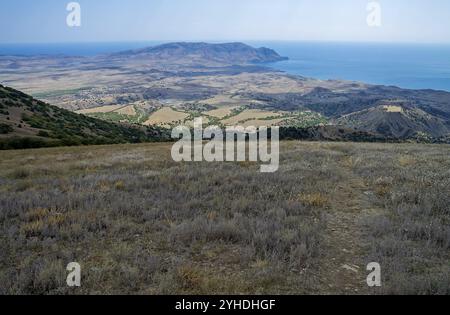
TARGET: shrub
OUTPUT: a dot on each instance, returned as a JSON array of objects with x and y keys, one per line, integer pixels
[{"x": 5, "y": 129}]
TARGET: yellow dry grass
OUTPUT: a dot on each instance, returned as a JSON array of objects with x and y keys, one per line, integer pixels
[
  {"x": 128, "y": 110},
  {"x": 38, "y": 219},
  {"x": 166, "y": 116},
  {"x": 262, "y": 123},
  {"x": 393, "y": 109},
  {"x": 250, "y": 114},
  {"x": 316, "y": 199},
  {"x": 221, "y": 112},
  {"x": 406, "y": 160}
]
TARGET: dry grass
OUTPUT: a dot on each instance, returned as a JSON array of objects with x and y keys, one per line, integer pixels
[
  {"x": 249, "y": 114},
  {"x": 316, "y": 199},
  {"x": 263, "y": 123},
  {"x": 221, "y": 112},
  {"x": 166, "y": 116},
  {"x": 406, "y": 161},
  {"x": 139, "y": 223},
  {"x": 393, "y": 109},
  {"x": 127, "y": 110}
]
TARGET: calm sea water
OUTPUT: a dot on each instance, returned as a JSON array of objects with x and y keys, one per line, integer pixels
[{"x": 403, "y": 65}]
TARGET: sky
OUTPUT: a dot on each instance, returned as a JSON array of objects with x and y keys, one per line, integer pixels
[{"x": 44, "y": 21}]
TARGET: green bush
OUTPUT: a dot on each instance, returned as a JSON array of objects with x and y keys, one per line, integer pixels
[
  {"x": 4, "y": 129},
  {"x": 44, "y": 134},
  {"x": 25, "y": 143}
]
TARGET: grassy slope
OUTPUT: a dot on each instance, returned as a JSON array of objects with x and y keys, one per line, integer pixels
[
  {"x": 139, "y": 223},
  {"x": 26, "y": 122},
  {"x": 406, "y": 124}
]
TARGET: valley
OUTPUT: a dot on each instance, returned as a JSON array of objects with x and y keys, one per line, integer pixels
[
  {"x": 225, "y": 84},
  {"x": 138, "y": 222}
]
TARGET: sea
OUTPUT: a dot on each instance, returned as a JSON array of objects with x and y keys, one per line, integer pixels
[{"x": 411, "y": 66}]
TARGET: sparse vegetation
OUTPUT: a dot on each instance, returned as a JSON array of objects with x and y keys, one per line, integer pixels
[
  {"x": 410, "y": 236},
  {"x": 138, "y": 222}
]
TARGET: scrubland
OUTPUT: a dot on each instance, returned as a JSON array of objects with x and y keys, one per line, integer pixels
[{"x": 139, "y": 223}]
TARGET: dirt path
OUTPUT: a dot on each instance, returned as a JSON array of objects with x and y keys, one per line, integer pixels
[{"x": 343, "y": 267}]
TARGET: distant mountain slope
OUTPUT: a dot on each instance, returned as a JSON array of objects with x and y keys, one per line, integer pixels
[
  {"x": 396, "y": 121},
  {"x": 229, "y": 53},
  {"x": 423, "y": 113},
  {"x": 26, "y": 122},
  {"x": 331, "y": 133}
]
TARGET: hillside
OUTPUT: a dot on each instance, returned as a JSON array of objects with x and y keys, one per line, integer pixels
[
  {"x": 389, "y": 111},
  {"x": 229, "y": 53},
  {"x": 333, "y": 134},
  {"x": 26, "y": 122},
  {"x": 396, "y": 121},
  {"x": 162, "y": 227}
]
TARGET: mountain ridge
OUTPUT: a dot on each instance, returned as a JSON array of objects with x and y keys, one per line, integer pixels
[
  {"x": 232, "y": 53},
  {"x": 396, "y": 121}
]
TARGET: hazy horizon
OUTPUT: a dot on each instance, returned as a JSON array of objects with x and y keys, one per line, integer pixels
[
  {"x": 402, "y": 21},
  {"x": 224, "y": 41}
]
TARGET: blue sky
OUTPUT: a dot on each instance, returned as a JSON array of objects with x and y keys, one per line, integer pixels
[{"x": 24, "y": 21}]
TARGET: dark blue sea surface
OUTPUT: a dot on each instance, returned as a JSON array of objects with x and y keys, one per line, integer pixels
[{"x": 414, "y": 66}]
